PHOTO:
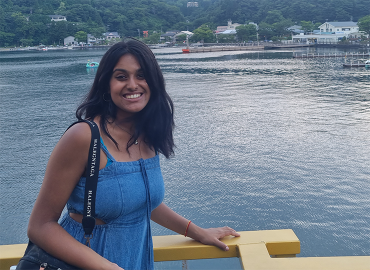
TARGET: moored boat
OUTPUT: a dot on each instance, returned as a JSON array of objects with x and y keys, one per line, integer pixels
[
  {"x": 367, "y": 64},
  {"x": 92, "y": 64},
  {"x": 187, "y": 50},
  {"x": 359, "y": 63},
  {"x": 354, "y": 65}
]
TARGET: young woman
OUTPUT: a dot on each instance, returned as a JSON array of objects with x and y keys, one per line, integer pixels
[{"x": 134, "y": 113}]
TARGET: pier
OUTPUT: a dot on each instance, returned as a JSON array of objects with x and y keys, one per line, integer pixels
[
  {"x": 287, "y": 46},
  {"x": 257, "y": 250},
  {"x": 347, "y": 55},
  {"x": 225, "y": 48},
  {"x": 243, "y": 47}
]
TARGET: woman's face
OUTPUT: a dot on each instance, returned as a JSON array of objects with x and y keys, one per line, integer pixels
[{"x": 128, "y": 88}]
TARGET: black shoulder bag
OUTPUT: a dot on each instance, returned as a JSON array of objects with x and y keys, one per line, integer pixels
[{"x": 36, "y": 258}]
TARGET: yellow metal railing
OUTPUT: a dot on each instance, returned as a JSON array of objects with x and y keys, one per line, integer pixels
[{"x": 257, "y": 250}]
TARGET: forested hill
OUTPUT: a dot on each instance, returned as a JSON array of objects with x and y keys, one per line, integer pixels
[
  {"x": 240, "y": 11},
  {"x": 26, "y": 20}
]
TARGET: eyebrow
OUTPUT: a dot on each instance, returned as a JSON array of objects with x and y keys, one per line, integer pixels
[
  {"x": 119, "y": 69},
  {"x": 124, "y": 70}
]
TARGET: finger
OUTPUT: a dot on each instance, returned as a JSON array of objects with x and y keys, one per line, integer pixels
[
  {"x": 221, "y": 245},
  {"x": 230, "y": 231},
  {"x": 234, "y": 233}
]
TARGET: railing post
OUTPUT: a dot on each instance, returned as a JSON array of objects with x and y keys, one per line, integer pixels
[{"x": 184, "y": 265}]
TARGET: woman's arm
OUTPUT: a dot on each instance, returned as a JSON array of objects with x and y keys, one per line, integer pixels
[
  {"x": 65, "y": 167},
  {"x": 168, "y": 218}
]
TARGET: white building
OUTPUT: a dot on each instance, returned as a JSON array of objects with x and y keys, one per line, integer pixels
[
  {"x": 297, "y": 29},
  {"x": 339, "y": 27},
  {"x": 192, "y": 4},
  {"x": 70, "y": 41},
  {"x": 57, "y": 18},
  {"x": 91, "y": 40},
  {"x": 330, "y": 32},
  {"x": 230, "y": 26},
  {"x": 188, "y": 33},
  {"x": 111, "y": 35},
  {"x": 321, "y": 38}
]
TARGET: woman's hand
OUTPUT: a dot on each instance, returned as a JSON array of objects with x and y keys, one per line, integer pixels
[
  {"x": 166, "y": 217},
  {"x": 212, "y": 236}
]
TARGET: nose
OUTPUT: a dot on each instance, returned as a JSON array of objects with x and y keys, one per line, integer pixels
[{"x": 132, "y": 83}]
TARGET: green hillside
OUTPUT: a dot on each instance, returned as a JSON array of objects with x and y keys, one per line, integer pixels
[{"x": 25, "y": 22}]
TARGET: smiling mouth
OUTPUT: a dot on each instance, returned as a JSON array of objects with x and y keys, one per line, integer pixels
[{"x": 132, "y": 96}]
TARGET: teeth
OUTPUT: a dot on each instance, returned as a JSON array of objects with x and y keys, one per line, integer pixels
[{"x": 133, "y": 96}]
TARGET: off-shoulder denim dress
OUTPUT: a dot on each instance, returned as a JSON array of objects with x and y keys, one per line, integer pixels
[{"x": 127, "y": 192}]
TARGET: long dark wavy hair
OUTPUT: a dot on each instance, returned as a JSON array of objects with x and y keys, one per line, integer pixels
[{"x": 155, "y": 122}]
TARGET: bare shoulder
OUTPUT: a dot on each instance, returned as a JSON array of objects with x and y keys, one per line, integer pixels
[
  {"x": 79, "y": 133},
  {"x": 72, "y": 148}
]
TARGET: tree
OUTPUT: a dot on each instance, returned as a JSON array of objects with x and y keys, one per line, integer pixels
[
  {"x": 317, "y": 25},
  {"x": 6, "y": 39},
  {"x": 281, "y": 28},
  {"x": 307, "y": 26},
  {"x": 57, "y": 31},
  {"x": 153, "y": 38},
  {"x": 81, "y": 36},
  {"x": 61, "y": 9},
  {"x": 26, "y": 42},
  {"x": 274, "y": 16},
  {"x": 246, "y": 32},
  {"x": 225, "y": 38},
  {"x": 2, "y": 21},
  {"x": 181, "y": 38},
  {"x": 203, "y": 33},
  {"x": 265, "y": 30},
  {"x": 364, "y": 24},
  {"x": 18, "y": 27}
]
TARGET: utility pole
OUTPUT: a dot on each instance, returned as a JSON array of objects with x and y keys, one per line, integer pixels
[{"x": 139, "y": 32}]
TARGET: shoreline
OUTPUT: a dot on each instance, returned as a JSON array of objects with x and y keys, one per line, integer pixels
[
  {"x": 195, "y": 49},
  {"x": 51, "y": 48}
]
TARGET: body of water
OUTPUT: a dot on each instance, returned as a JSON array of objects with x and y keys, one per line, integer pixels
[{"x": 264, "y": 141}]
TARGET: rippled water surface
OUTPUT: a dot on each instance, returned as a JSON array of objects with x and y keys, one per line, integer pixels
[{"x": 264, "y": 141}]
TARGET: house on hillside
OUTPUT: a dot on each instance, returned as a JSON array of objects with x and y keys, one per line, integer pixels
[
  {"x": 188, "y": 33},
  {"x": 339, "y": 27},
  {"x": 230, "y": 26},
  {"x": 296, "y": 29},
  {"x": 91, "y": 40},
  {"x": 177, "y": 37},
  {"x": 70, "y": 41},
  {"x": 111, "y": 35},
  {"x": 169, "y": 35},
  {"x": 221, "y": 29},
  {"x": 57, "y": 18}
]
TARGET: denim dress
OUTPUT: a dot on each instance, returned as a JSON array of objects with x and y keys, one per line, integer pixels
[{"x": 127, "y": 192}]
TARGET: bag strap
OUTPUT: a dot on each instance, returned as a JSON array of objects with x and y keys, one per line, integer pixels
[{"x": 92, "y": 173}]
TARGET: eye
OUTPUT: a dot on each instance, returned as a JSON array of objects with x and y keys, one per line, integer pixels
[
  {"x": 121, "y": 77},
  {"x": 141, "y": 76}
]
